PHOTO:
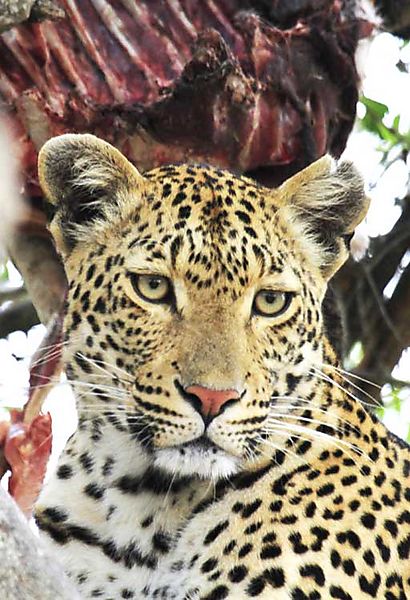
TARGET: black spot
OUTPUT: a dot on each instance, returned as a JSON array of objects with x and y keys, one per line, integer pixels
[
  {"x": 276, "y": 506},
  {"x": 95, "y": 491},
  {"x": 251, "y": 232},
  {"x": 100, "y": 306},
  {"x": 321, "y": 535},
  {"x": 391, "y": 527},
  {"x": 217, "y": 593},
  {"x": 348, "y": 480},
  {"x": 303, "y": 447},
  {"x": 253, "y": 528},
  {"x": 60, "y": 536},
  {"x": 184, "y": 212},
  {"x": 90, "y": 272},
  {"x": 246, "y": 548},
  {"x": 178, "y": 198},
  {"x": 147, "y": 522},
  {"x": 247, "y": 480},
  {"x": 153, "y": 480},
  {"x": 99, "y": 280},
  {"x": 56, "y": 514},
  {"x": 209, "y": 565},
  {"x": 249, "y": 509},
  {"x": 326, "y": 490},
  {"x": 256, "y": 586},
  {"x": 335, "y": 558},
  {"x": 349, "y": 567},
  {"x": 349, "y": 536},
  {"x": 339, "y": 593},
  {"x": 275, "y": 577},
  {"x": 404, "y": 547},
  {"x": 175, "y": 248},
  {"x": 97, "y": 593},
  {"x": 243, "y": 216},
  {"x": 333, "y": 515},
  {"x": 215, "y": 532},
  {"x": 269, "y": 538},
  {"x": 86, "y": 462},
  {"x": 368, "y": 558},
  {"x": 296, "y": 541},
  {"x": 108, "y": 466},
  {"x": 298, "y": 594},
  {"x": 292, "y": 381},
  {"x": 310, "y": 510},
  {"x": 64, "y": 472},
  {"x": 368, "y": 520},
  {"x": 161, "y": 542},
  {"x": 279, "y": 486},
  {"x": 370, "y": 587},
  {"x": 315, "y": 572},
  {"x": 383, "y": 549},
  {"x": 271, "y": 551},
  {"x": 75, "y": 320},
  {"x": 237, "y": 574},
  {"x": 229, "y": 547},
  {"x": 289, "y": 520}
]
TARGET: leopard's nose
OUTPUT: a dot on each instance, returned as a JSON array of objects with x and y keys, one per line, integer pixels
[{"x": 211, "y": 402}]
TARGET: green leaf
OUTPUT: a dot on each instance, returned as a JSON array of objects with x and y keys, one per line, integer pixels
[
  {"x": 4, "y": 272},
  {"x": 396, "y": 123},
  {"x": 380, "y": 412},
  {"x": 377, "y": 109},
  {"x": 373, "y": 122}
]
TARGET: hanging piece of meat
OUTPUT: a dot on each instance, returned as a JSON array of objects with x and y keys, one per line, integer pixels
[{"x": 27, "y": 448}]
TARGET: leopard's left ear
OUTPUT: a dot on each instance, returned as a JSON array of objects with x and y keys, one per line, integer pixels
[
  {"x": 89, "y": 181},
  {"x": 327, "y": 201}
]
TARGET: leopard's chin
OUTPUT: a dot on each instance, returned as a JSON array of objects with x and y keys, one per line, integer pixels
[{"x": 199, "y": 458}]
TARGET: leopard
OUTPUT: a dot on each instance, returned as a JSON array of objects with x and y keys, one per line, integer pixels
[{"x": 221, "y": 449}]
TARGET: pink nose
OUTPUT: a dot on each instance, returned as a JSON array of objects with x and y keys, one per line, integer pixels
[{"x": 212, "y": 400}]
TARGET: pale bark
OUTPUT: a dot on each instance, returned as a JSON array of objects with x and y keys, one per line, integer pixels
[{"x": 27, "y": 570}]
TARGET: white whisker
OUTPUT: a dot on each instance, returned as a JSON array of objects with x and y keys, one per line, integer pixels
[
  {"x": 350, "y": 374},
  {"x": 320, "y": 375}
]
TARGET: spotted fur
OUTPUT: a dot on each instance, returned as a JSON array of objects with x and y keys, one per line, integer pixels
[{"x": 293, "y": 491}]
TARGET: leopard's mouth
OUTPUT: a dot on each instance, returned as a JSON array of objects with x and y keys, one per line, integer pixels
[
  {"x": 200, "y": 458},
  {"x": 201, "y": 444}
]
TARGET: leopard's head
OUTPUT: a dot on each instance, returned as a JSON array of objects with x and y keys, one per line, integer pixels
[{"x": 194, "y": 312}]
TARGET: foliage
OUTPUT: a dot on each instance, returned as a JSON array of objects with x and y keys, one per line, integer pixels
[{"x": 390, "y": 137}]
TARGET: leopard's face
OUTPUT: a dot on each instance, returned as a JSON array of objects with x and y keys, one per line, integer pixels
[{"x": 194, "y": 312}]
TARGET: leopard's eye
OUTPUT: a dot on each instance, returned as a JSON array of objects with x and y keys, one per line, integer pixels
[
  {"x": 154, "y": 288},
  {"x": 271, "y": 303}
]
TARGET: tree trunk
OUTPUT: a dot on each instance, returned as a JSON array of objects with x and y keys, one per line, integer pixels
[{"x": 27, "y": 571}]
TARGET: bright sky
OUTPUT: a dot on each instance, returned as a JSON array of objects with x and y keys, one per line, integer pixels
[{"x": 383, "y": 83}]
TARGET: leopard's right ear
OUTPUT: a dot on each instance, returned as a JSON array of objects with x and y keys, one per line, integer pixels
[{"x": 89, "y": 181}]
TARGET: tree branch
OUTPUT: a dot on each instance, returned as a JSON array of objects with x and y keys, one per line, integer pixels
[
  {"x": 20, "y": 315},
  {"x": 396, "y": 16},
  {"x": 11, "y": 294},
  {"x": 35, "y": 257}
]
